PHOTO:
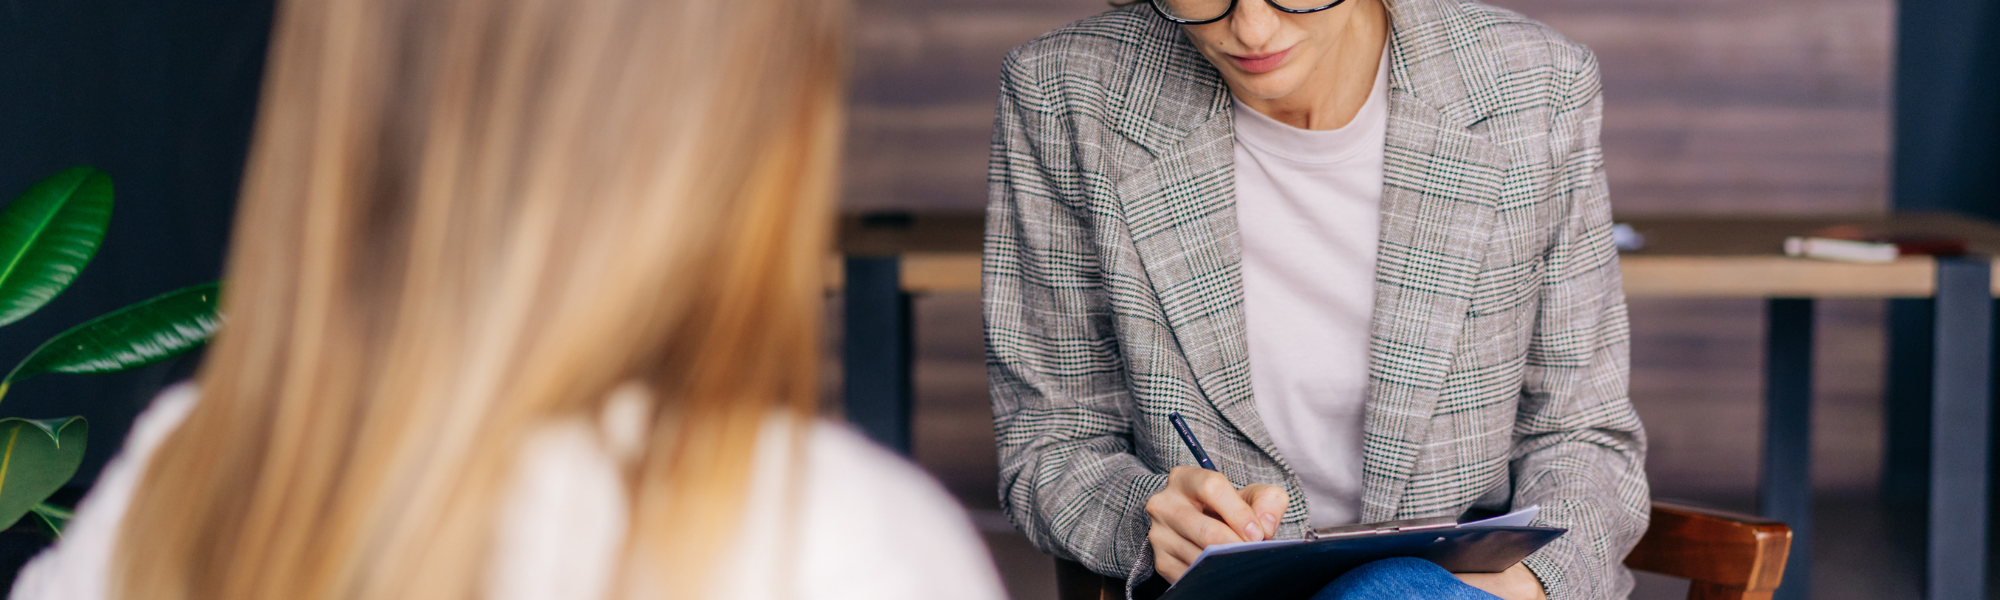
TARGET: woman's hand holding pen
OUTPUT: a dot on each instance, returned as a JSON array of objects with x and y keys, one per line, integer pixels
[{"x": 1200, "y": 508}]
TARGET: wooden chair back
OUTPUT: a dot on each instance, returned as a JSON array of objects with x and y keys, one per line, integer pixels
[{"x": 1723, "y": 555}]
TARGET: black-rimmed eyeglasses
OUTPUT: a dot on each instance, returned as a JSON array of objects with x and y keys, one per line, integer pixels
[{"x": 1199, "y": 12}]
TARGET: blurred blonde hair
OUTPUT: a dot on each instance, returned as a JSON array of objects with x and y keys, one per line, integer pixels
[{"x": 463, "y": 219}]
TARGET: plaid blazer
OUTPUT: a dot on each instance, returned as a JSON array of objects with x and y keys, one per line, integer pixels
[{"x": 1498, "y": 354}]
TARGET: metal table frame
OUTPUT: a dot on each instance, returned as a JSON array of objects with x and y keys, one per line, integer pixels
[{"x": 876, "y": 349}]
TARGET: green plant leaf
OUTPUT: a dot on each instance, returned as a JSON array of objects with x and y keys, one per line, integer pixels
[
  {"x": 48, "y": 235},
  {"x": 52, "y": 518},
  {"x": 36, "y": 458},
  {"x": 137, "y": 335}
]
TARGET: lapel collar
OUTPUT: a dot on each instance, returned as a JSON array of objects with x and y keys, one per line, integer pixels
[
  {"x": 1441, "y": 187},
  {"x": 1181, "y": 213},
  {"x": 1180, "y": 209}
]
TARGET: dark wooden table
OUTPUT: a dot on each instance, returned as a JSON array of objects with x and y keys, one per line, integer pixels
[{"x": 888, "y": 257}]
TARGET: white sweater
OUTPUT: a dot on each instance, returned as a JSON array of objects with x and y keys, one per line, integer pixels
[
  {"x": 870, "y": 525},
  {"x": 1308, "y": 208}
]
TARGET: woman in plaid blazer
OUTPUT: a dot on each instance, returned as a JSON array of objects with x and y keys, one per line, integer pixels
[{"x": 1497, "y": 354}]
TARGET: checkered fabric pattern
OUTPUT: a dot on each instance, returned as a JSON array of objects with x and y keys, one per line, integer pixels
[{"x": 1113, "y": 291}]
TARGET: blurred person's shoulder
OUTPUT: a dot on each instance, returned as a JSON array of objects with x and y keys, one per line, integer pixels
[
  {"x": 870, "y": 505},
  {"x": 854, "y": 520},
  {"x": 833, "y": 517},
  {"x": 826, "y": 515}
]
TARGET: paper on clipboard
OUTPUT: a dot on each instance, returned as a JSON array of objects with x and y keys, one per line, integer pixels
[{"x": 1518, "y": 518}]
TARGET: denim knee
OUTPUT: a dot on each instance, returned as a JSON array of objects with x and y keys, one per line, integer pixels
[
  {"x": 1400, "y": 579},
  {"x": 1399, "y": 568}
]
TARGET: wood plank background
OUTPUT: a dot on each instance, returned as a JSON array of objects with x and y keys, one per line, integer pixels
[{"x": 1712, "y": 107}]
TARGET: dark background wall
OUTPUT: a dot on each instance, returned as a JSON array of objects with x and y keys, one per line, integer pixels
[{"x": 161, "y": 95}]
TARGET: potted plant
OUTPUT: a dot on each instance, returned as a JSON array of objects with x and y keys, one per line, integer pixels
[{"x": 47, "y": 236}]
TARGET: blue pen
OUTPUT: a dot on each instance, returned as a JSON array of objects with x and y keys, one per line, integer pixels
[{"x": 1194, "y": 445}]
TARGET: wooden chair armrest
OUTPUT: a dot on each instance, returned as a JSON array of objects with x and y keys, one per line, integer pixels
[{"x": 1723, "y": 554}]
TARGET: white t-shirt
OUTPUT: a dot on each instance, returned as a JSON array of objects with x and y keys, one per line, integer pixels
[
  {"x": 1308, "y": 206},
  {"x": 869, "y": 525}
]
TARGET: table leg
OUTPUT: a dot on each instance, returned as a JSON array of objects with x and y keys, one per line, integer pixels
[
  {"x": 1785, "y": 492},
  {"x": 1906, "y": 404},
  {"x": 876, "y": 352},
  {"x": 1961, "y": 424}
]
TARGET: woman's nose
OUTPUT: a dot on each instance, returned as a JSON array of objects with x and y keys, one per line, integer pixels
[{"x": 1254, "y": 23}]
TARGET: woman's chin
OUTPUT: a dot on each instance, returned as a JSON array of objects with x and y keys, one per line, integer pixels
[{"x": 1265, "y": 86}]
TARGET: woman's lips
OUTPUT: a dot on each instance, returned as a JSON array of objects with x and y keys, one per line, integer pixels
[{"x": 1261, "y": 63}]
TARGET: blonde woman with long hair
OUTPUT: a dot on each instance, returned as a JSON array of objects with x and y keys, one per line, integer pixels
[{"x": 523, "y": 304}]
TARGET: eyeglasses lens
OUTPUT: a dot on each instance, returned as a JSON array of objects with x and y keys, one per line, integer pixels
[{"x": 1197, "y": 10}]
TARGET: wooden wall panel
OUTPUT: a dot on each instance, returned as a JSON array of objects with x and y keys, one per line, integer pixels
[
  {"x": 1712, "y": 106},
  {"x": 925, "y": 77},
  {"x": 1721, "y": 107}
]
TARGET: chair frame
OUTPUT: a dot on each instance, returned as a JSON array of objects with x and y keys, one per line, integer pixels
[{"x": 1723, "y": 555}]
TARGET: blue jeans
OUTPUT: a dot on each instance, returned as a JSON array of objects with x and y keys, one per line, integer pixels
[{"x": 1400, "y": 579}]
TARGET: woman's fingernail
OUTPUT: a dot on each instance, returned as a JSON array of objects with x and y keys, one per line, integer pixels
[
  {"x": 1255, "y": 533},
  {"x": 1271, "y": 523}
]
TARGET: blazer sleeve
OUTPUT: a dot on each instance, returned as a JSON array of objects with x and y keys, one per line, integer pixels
[
  {"x": 1580, "y": 450},
  {"x": 1068, "y": 476}
]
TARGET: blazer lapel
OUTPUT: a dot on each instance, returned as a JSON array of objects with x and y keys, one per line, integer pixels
[
  {"x": 1441, "y": 187},
  {"x": 1180, "y": 209}
]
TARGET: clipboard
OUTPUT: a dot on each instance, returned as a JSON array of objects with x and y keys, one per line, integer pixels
[{"x": 1297, "y": 569}]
